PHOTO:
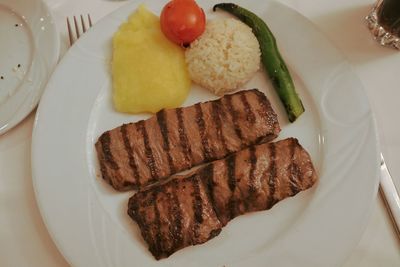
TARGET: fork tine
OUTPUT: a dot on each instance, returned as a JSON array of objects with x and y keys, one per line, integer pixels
[
  {"x": 71, "y": 37},
  {"x": 74, "y": 36},
  {"x": 76, "y": 28},
  {"x": 83, "y": 24},
  {"x": 90, "y": 20}
]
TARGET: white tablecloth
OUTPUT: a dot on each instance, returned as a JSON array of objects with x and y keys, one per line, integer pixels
[{"x": 24, "y": 240}]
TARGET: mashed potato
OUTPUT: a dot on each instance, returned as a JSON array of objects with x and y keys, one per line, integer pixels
[
  {"x": 225, "y": 57},
  {"x": 149, "y": 71}
]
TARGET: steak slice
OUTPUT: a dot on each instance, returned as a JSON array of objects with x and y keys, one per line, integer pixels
[
  {"x": 258, "y": 177},
  {"x": 175, "y": 215},
  {"x": 192, "y": 209},
  {"x": 137, "y": 154}
]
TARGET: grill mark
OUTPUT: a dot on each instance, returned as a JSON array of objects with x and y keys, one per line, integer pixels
[
  {"x": 261, "y": 98},
  {"x": 246, "y": 204},
  {"x": 216, "y": 110},
  {"x": 214, "y": 233},
  {"x": 197, "y": 206},
  {"x": 146, "y": 226},
  {"x": 294, "y": 171},
  {"x": 231, "y": 164},
  {"x": 168, "y": 245},
  {"x": 253, "y": 163},
  {"x": 232, "y": 208},
  {"x": 105, "y": 140},
  {"x": 129, "y": 151},
  {"x": 149, "y": 154},
  {"x": 202, "y": 127},
  {"x": 140, "y": 218},
  {"x": 264, "y": 111},
  {"x": 157, "y": 224},
  {"x": 183, "y": 139},
  {"x": 294, "y": 176},
  {"x": 249, "y": 113},
  {"x": 133, "y": 209},
  {"x": 135, "y": 213},
  {"x": 243, "y": 202},
  {"x": 104, "y": 171},
  {"x": 164, "y": 132},
  {"x": 271, "y": 172},
  {"x": 177, "y": 216},
  {"x": 231, "y": 110},
  {"x": 207, "y": 175}
]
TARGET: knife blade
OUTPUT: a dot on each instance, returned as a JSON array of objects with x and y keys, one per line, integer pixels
[{"x": 390, "y": 196}]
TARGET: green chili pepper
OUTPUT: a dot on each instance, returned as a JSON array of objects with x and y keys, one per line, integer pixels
[{"x": 271, "y": 59}]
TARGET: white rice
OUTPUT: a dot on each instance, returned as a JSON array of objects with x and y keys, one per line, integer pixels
[{"x": 225, "y": 56}]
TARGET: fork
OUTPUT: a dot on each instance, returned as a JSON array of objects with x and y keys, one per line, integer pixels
[{"x": 73, "y": 37}]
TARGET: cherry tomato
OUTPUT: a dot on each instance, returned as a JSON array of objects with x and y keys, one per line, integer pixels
[{"x": 182, "y": 21}]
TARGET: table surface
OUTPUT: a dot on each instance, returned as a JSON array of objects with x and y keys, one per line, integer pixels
[{"x": 24, "y": 240}]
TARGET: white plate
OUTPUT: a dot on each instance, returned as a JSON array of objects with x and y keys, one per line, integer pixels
[
  {"x": 319, "y": 227},
  {"x": 29, "y": 51}
]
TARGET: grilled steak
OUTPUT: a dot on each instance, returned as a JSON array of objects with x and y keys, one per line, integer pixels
[
  {"x": 137, "y": 154},
  {"x": 175, "y": 215},
  {"x": 192, "y": 209}
]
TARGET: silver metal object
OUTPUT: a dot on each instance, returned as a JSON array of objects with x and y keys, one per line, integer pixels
[
  {"x": 380, "y": 34},
  {"x": 73, "y": 36},
  {"x": 390, "y": 196}
]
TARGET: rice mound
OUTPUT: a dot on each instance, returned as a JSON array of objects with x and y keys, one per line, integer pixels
[{"x": 225, "y": 56}]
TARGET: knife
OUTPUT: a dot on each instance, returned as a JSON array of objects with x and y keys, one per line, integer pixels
[{"x": 390, "y": 196}]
